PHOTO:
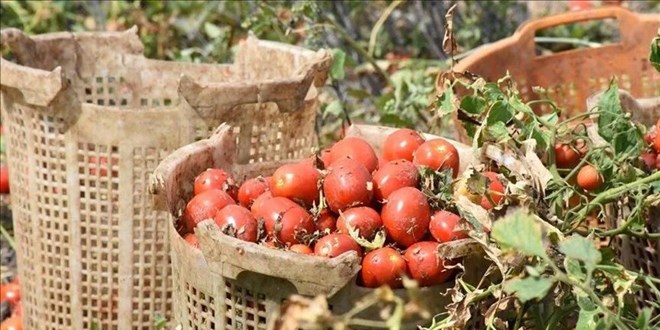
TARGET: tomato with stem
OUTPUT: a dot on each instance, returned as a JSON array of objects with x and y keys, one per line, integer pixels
[
  {"x": 334, "y": 245},
  {"x": 365, "y": 219},
  {"x": 237, "y": 221},
  {"x": 443, "y": 226},
  {"x": 589, "y": 178},
  {"x": 204, "y": 206},
  {"x": 438, "y": 154},
  {"x": 425, "y": 265}
]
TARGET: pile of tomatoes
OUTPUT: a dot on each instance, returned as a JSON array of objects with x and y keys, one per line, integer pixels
[
  {"x": 344, "y": 199},
  {"x": 651, "y": 157},
  {"x": 11, "y": 294}
]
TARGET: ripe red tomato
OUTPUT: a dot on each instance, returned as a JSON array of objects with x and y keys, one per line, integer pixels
[
  {"x": 401, "y": 144},
  {"x": 334, "y": 245},
  {"x": 325, "y": 157},
  {"x": 237, "y": 221},
  {"x": 384, "y": 266},
  {"x": 393, "y": 176},
  {"x": 365, "y": 219},
  {"x": 566, "y": 156},
  {"x": 204, "y": 206},
  {"x": 259, "y": 202},
  {"x": 381, "y": 162},
  {"x": 354, "y": 148},
  {"x": 12, "y": 323},
  {"x": 650, "y": 136},
  {"x": 406, "y": 216},
  {"x": 437, "y": 154},
  {"x": 589, "y": 178},
  {"x": 216, "y": 179},
  {"x": 298, "y": 182},
  {"x": 495, "y": 191},
  {"x": 251, "y": 189},
  {"x": 191, "y": 239},
  {"x": 656, "y": 142},
  {"x": 347, "y": 184},
  {"x": 17, "y": 310},
  {"x": 425, "y": 265},
  {"x": 287, "y": 221},
  {"x": 443, "y": 226},
  {"x": 11, "y": 293},
  {"x": 302, "y": 249},
  {"x": 4, "y": 179},
  {"x": 326, "y": 222},
  {"x": 648, "y": 159}
]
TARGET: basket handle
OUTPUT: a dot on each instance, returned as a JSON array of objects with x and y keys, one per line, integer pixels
[
  {"x": 289, "y": 95},
  {"x": 39, "y": 87},
  {"x": 627, "y": 21}
]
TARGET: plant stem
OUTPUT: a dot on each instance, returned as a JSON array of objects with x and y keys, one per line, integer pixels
[
  {"x": 8, "y": 237},
  {"x": 379, "y": 24}
]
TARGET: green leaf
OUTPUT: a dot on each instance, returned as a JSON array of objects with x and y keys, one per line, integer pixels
[
  {"x": 212, "y": 30},
  {"x": 499, "y": 132},
  {"x": 445, "y": 102},
  {"x": 521, "y": 232},
  {"x": 338, "y": 60},
  {"x": 395, "y": 120},
  {"x": 609, "y": 105},
  {"x": 334, "y": 108},
  {"x": 529, "y": 288},
  {"x": 581, "y": 248},
  {"x": 644, "y": 319},
  {"x": 586, "y": 320},
  {"x": 654, "y": 56},
  {"x": 499, "y": 113},
  {"x": 376, "y": 243},
  {"x": 160, "y": 322},
  {"x": 473, "y": 104},
  {"x": 574, "y": 269}
]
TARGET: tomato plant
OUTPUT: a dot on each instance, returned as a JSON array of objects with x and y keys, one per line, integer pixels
[{"x": 566, "y": 156}]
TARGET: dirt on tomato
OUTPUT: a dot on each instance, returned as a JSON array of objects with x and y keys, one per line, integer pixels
[
  {"x": 363, "y": 218},
  {"x": 357, "y": 149},
  {"x": 383, "y": 266},
  {"x": 334, "y": 245},
  {"x": 406, "y": 216},
  {"x": 347, "y": 184},
  {"x": 401, "y": 144},
  {"x": 437, "y": 154},
  {"x": 237, "y": 221},
  {"x": 393, "y": 176},
  {"x": 425, "y": 265}
]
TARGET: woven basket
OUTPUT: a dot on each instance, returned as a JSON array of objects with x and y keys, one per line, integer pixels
[
  {"x": 87, "y": 120},
  {"x": 232, "y": 284},
  {"x": 570, "y": 77}
]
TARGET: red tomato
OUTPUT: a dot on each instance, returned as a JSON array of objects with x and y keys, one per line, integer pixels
[
  {"x": 301, "y": 248},
  {"x": 437, "y": 154},
  {"x": 325, "y": 157},
  {"x": 334, "y": 245},
  {"x": 406, "y": 216},
  {"x": 347, "y": 184},
  {"x": 381, "y": 162},
  {"x": 443, "y": 227},
  {"x": 326, "y": 222},
  {"x": 425, "y": 265},
  {"x": 566, "y": 156},
  {"x": 18, "y": 310},
  {"x": 191, "y": 239},
  {"x": 393, "y": 176},
  {"x": 11, "y": 293},
  {"x": 204, "y": 206},
  {"x": 357, "y": 149},
  {"x": 12, "y": 323},
  {"x": 251, "y": 189},
  {"x": 650, "y": 136},
  {"x": 648, "y": 159},
  {"x": 656, "y": 142},
  {"x": 4, "y": 179},
  {"x": 214, "y": 179},
  {"x": 589, "y": 178},
  {"x": 287, "y": 221},
  {"x": 259, "y": 202},
  {"x": 384, "y": 266},
  {"x": 495, "y": 191},
  {"x": 365, "y": 219},
  {"x": 402, "y": 144},
  {"x": 298, "y": 182},
  {"x": 237, "y": 221}
]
